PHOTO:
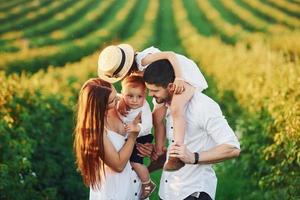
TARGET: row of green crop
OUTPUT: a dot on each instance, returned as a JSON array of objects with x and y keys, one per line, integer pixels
[
  {"x": 36, "y": 16},
  {"x": 87, "y": 23},
  {"x": 19, "y": 11},
  {"x": 276, "y": 15},
  {"x": 228, "y": 28},
  {"x": 285, "y": 6},
  {"x": 60, "y": 20},
  {"x": 52, "y": 28},
  {"x": 70, "y": 51},
  {"x": 33, "y": 32},
  {"x": 7, "y": 5},
  {"x": 210, "y": 22}
]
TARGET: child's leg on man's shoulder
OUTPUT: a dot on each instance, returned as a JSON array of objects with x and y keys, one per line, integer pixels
[
  {"x": 142, "y": 171},
  {"x": 177, "y": 111},
  {"x": 159, "y": 114}
]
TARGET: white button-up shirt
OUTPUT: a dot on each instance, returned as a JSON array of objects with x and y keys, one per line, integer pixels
[{"x": 206, "y": 128}]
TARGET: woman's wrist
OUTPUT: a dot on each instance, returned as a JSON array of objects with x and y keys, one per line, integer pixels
[
  {"x": 132, "y": 136},
  {"x": 179, "y": 78}
]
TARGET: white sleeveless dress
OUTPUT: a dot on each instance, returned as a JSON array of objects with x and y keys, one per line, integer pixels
[{"x": 118, "y": 186}]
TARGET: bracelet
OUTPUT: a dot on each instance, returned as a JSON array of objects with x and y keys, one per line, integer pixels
[{"x": 196, "y": 158}]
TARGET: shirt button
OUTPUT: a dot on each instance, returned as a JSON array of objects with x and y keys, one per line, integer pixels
[
  {"x": 171, "y": 127},
  {"x": 134, "y": 181},
  {"x": 135, "y": 194},
  {"x": 172, "y": 140},
  {"x": 166, "y": 181}
]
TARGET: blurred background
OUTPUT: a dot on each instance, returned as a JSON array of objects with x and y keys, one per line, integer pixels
[{"x": 248, "y": 50}]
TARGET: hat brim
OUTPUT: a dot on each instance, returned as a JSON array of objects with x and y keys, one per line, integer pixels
[{"x": 129, "y": 57}]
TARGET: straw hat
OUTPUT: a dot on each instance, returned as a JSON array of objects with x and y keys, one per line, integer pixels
[{"x": 114, "y": 62}]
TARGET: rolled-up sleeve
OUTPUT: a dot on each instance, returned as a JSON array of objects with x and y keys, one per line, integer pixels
[
  {"x": 217, "y": 126},
  {"x": 219, "y": 129}
]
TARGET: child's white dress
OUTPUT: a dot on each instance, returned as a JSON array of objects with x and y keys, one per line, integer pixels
[
  {"x": 118, "y": 186},
  {"x": 146, "y": 118}
]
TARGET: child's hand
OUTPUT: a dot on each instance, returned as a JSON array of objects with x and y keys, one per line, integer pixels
[
  {"x": 178, "y": 85},
  {"x": 123, "y": 108},
  {"x": 132, "y": 127}
]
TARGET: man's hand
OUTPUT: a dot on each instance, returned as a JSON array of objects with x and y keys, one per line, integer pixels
[
  {"x": 183, "y": 153},
  {"x": 145, "y": 150}
]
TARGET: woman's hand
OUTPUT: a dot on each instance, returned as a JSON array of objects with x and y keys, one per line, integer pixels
[
  {"x": 183, "y": 153},
  {"x": 145, "y": 150},
  {"x": 178, "y": 85}
]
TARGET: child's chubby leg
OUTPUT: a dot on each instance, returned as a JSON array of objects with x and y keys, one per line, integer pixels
[
  {"x": 177, "y": 111},
  {"x": 148, "y": 186},
  {"x": 178, "y": 104},
  {"x": 141, "y": 170},
  {"x": 158, "y": 115}
]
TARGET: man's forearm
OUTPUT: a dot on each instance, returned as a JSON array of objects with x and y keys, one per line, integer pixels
[{"x": 218, "y": 154}]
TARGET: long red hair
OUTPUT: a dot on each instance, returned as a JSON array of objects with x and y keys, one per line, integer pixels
[{"x": 88, "y": 141}]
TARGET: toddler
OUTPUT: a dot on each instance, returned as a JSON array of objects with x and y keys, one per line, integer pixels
[{"x": 133, "y": 97}]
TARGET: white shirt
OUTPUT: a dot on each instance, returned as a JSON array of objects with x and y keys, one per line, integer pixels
[
  {"x": 123, "y": 185},
  {"x": 206, "y": 128},
  {"x": 190, "y": 71},
  {"x": 146, "y": 118}
]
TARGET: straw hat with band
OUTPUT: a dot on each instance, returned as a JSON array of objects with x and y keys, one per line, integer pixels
[{"x": 114, "y": 62}]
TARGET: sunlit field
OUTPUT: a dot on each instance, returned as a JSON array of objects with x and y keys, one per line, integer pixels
[{"x": 248, "y": 50}]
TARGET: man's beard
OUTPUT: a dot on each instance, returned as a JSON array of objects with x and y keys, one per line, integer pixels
[{"x": 159, "y": 101}]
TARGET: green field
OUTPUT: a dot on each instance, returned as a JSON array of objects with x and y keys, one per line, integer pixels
[{"x": 248, "y": 50}]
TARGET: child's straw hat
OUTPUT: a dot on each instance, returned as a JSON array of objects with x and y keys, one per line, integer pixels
[{"x": 114, "y": 62}]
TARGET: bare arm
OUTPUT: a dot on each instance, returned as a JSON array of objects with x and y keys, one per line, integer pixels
[
  {"x": 159, "y": 128},
  {"x": 117, "y": 160},
  {"x": 217, "y": 154},
  {"x": 169, "y": 55}
]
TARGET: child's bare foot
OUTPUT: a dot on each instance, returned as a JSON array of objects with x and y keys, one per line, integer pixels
[{"x": 173, "y": 164}]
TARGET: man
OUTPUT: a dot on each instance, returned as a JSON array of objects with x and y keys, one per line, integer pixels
[{"x": 208, "y": 139}]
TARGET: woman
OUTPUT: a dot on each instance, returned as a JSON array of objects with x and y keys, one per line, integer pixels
[{"x": 101, "y": 145}]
